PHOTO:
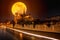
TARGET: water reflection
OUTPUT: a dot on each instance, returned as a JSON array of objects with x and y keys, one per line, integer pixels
[
  {"x": 29, "y": 37},
  {"x": 22, "y": 36}
]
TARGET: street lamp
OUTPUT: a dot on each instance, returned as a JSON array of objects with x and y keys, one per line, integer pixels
[{"x": 18, "y": 10}]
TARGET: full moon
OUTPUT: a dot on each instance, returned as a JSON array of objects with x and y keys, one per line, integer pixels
[{"x": 18, "y": 7}]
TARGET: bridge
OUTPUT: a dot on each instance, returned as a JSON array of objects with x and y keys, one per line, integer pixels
[{"x": 40, "y": 32}]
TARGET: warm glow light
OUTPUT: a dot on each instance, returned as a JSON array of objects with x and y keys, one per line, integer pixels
[
  {"x": 36, "y": 35},
  {"x": 19, "y": 7}
]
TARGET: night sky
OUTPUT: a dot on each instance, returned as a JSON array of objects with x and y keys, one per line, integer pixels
[
  {"x": 53, "y": 7},
  {"x": 37, "y": 8}
]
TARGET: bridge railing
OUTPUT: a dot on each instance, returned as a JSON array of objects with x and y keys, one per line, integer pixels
[{"x": 39, "y": 27}]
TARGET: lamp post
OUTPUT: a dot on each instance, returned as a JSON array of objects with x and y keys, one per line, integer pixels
[{"x": 19, "y": 9}]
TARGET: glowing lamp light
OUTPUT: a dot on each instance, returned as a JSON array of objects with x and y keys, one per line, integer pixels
[
  {"x": 19, "y": 8},
  {"x": 35, "y": 35}
]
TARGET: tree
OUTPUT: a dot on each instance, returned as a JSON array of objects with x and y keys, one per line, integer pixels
[{"x": 12, "y": 22}]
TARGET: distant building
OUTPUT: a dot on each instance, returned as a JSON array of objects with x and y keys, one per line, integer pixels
[{"x": 53, "y": 18}]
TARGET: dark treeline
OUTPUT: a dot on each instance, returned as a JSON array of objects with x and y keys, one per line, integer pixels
[{"x": 35, "y": 22}]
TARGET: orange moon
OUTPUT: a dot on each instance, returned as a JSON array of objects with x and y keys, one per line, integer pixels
[{"x": 18, "y": 7}]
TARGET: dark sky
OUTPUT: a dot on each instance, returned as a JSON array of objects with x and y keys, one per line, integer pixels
[
  {"x": 37, "y": 8},
  {"x": 53, "y": 7}
]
